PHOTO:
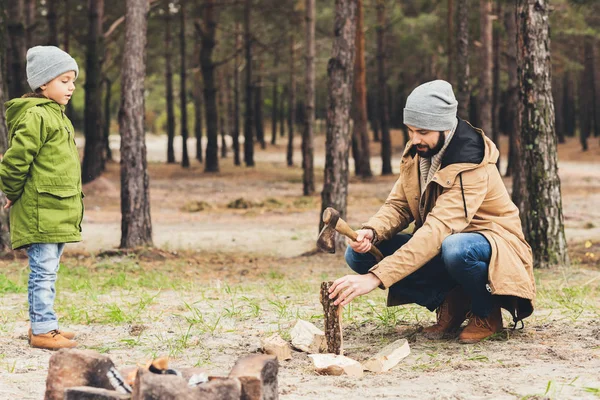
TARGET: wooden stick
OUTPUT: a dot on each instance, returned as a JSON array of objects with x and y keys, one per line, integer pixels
[{"x": 333, "y": 321}]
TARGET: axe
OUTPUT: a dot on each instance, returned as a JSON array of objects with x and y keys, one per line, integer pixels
[{"x": 333, "y": 223}]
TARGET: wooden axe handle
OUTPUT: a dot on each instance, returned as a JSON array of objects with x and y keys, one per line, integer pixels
[{"x": 343, "y": 228}]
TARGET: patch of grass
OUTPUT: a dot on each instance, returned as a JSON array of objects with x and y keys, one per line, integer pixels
[{"x": 17, "y": 284}]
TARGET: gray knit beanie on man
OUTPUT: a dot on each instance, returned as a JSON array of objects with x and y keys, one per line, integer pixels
[
  {"x": 45, "y": 63},
  {"x": 431, "y": 106}
]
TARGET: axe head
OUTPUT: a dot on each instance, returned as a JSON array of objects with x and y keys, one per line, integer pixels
[{"x": 326, "y": 240}]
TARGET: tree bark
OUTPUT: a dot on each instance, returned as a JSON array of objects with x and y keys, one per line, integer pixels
[
  {"x": 93, "y": 154},
  {"x": 136, "y": 225},
  {"x": 52, "y": 19},
  {"x": 282, "y": 112},
  {"x": 107, "y": 117},
  {"x": 333, "y": 321},
  {"x": 198, "y": 104},
  {"x": 185, "y": 160},
  {"x": 384, "y": 117},
  {"x": 450, "y": 38},
  {"x": 17, "y": 49},
  {"x": 596, "y": 87},
  {"x": 512, "y": 98},
  {"x": 258, "y": 110},
  {"x": 539, "y": 197},
  {"x": 308, "y": 177},
  {"x": 236, "y": 96},
  {"x": 169, "y": 85},
  {"x": 463, "y": 92},
  {"x": 274, "y": 108},
  {"x": 207, "y": 32},
  {"x": 486, "y": 61},
  {"x": 249, "y": 114},
  {"x": 496, "y": 79},
  {"x": 340, "y": 70},
  {"x": 360, "y": 128},
  {"x": 373, "y": 115},
  {"x": 30, "y": 25},
  {"x": 291, "y": 103},
  {"x": 223, "y": 118}
]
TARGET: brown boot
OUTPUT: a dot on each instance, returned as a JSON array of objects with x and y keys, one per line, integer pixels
[
  {"x": 480, "y": 328},
  {"x": 65, "y": 334},
  {"x": 450, "y": 314},
  {"x": 51, "y": 341}
]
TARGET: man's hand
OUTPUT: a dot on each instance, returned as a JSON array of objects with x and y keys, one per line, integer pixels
[
  {"x": 8, "y": 204},
  {"x": 350, "y": 286},
  {"x": 363, "y": 241}
]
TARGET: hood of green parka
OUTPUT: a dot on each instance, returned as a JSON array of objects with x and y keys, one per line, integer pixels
[{"x": 15, "y": 108}]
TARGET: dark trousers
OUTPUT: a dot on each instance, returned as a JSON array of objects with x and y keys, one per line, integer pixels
[{"x": 464, "y": 260}]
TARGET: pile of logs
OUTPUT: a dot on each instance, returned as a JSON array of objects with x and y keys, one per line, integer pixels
[{"x": 87, "y": 375}]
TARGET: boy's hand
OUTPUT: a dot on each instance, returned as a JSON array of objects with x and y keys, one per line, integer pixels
[
  {"x": 354, "y": 285},
  {"x": 363, "y": 241},
  {"x": 8, "y": 204}
]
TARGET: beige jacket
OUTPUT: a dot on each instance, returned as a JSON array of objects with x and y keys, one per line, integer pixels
[{"x": 465, "y": 195}]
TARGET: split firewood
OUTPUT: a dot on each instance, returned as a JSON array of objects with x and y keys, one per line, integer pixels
[
  {"x": 92, "y": 393},
  {"x": 388, "y": 357},
  {"x": 258, "y": 375},
  {"x": 334, "y": 364},
  {"x": 275, "y": 345},
  {"x": 333, "y": 321},
  {"x": 307, "y": 337}
]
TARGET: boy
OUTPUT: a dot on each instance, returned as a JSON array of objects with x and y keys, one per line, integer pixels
[{"x": 41, "y": 177}]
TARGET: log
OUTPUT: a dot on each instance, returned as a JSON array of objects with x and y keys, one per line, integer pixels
[
  {"x": 334, "y": 364},
  {"x": 92, "y": 393},
  {"x": 307, "y": 337},
  {"x": 333, "y": 321},
  {"x": 275, "y": 345},
  {"x": 258, "y": 374},
  {"x": 388, "y": 357}
]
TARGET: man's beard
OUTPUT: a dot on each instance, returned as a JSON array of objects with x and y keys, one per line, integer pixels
[{"x": 436, "y": 149}]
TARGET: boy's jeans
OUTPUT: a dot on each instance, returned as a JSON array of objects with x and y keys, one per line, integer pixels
[
  {"x": 464, "y": 261},
  {"x": 44, "y": 259}
]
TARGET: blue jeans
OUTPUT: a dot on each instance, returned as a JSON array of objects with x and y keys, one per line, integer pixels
[
  {"x": 464, "y": 261},
  {"x": 44, "y": 260}
]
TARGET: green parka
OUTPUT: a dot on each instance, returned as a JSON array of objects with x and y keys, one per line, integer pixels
[{"x": 41, "y": 174}]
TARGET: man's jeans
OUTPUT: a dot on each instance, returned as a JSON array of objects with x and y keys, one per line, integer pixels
[
  {"x": 44, "y": 259},
  {"x": 464, "y": 261}
]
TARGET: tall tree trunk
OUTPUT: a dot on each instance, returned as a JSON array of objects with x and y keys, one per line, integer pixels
[
  {"x": 584, "y": 98},
  {"x": 198, "y": 104},
  {"x": 339, "y": 87},
  {"x": 291, "y": 103},
  {"x": 596, "y": 86},
  {"x": 282, "y": 112},
  {"x": 360, "y": 128},
  {"x": 30, "y": 25},
  {"x": 308, "y": 177},
  {"x": 450, "y": 38},
  {"x": 569, "y": 113},
  {"x": 236, "y": 96},
  {"x": 384, "y": 117},
  {"x": 512, "y": 97},
  {"x": 557, "y": 96},
  {"x": 229, "y": 107},
  {"x": 136, "y": 224},
  {"x": 275, "y": 102},
  {"x": 462, "y": 59},
  {"x": 258, "y": 109},
  {"x": 185, "y": 160},
  {"x": 66, "y": 43},
  {"x": 486, "y": 61},
  {"x": 496, "y": 92},
  {"x": 169, "y": 85},
  {"x": 17, "y": 49},
  {"x": 222, "y": 112},
  {"x": 52, "y": 19},
  {"x": 539, "y": 198},
  {"x": 249, "y": 115},
  {"x": 373, "y": 114},
  {"x": 106, "y": 124},
  {"x": 207, "y": 32},
  {"x": 5, "y": 244},
  {"x": 93, "y": 158}
]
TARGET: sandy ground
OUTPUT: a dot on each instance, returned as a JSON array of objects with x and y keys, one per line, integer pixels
[{"x": 556, "y": 356}]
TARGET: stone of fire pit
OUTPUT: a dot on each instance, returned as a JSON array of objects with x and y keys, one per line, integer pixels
[
  {"x": 92, "y": 393},
  {"x": 73, "y": 367},
  {"x": 258, "y": 374}
]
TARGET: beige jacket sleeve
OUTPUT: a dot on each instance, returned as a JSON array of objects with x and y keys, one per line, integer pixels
[
  {"x": 393, "y": 216},
  {"x": 447, "y": 217}
]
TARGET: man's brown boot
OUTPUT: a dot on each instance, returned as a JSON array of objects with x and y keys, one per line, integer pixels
[
  {"x": 450, "y": 314},
  {"x": 51, "y": 341},
  {"x": 66, "y": 334},
  {"x": 480, "y": 328}
]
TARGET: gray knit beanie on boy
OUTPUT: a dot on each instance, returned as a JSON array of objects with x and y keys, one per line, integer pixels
[
  {"x": 45, "y": 63},
  {"x": 431, "y": 106}
]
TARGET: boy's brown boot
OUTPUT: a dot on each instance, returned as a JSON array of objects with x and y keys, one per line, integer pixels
[
  {"x": 66, "y": 334},
  {"x": 450, "y": 314},
  {"x": 481, "y": 328},
  {"x": 51, "y": 341}
]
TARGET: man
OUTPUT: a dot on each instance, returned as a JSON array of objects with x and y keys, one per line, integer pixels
[{"x": 467, "y": 256}]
